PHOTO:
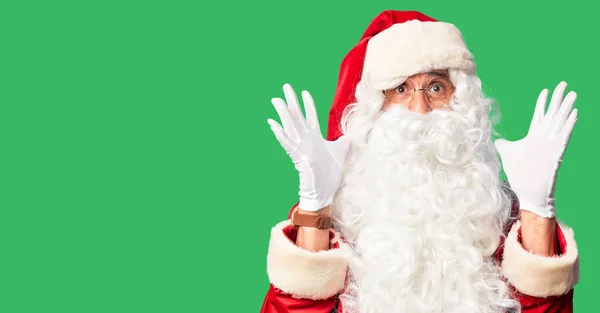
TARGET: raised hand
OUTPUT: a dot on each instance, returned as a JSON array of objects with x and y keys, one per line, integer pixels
[
  {"x": 531, "y": 164},
  {"x": 319, "y": 162}
]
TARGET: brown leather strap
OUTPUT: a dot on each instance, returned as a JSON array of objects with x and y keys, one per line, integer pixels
[{"x": 316, "y": 221}]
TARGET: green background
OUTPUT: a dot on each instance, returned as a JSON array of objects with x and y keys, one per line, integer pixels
[{"x": 138, "y": 172}]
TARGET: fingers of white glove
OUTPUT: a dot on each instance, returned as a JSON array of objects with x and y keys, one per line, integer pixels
[
  {"x": 568, "y": 128},
  {"x": 557, "y": 98},
  {"x": 294, "y": 107},
  {"x": 284, "y": 114},
  {"x": 311, "y": 111},
  {"x": 540, "y": 107},
  {"x": 282, "y": 138},
  {"x": 564, "y": 112}
]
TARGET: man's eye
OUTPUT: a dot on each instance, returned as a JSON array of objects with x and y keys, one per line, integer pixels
[
  {"x": 436, "y": 88},
  {"x": 401, "y": 89}
]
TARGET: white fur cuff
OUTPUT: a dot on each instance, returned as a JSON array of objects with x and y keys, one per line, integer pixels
[
  {"x": 541, "y": 276},
  {"x": 302, "y": 273}
]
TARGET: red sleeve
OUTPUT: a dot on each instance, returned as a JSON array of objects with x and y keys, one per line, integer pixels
[
  {"x": 531, "y": 304},
  {"x": 277, "y": 301},
  {"x": 554, "y": 304}
]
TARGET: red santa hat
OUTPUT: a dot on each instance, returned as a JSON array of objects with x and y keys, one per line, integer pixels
[{"x": 397, "y": 44}]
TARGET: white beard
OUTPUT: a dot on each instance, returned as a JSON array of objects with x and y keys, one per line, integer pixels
[{"x": 422, "y": 206}]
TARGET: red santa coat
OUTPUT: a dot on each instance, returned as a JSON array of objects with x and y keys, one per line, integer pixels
[{"x": 310, "y": 282}]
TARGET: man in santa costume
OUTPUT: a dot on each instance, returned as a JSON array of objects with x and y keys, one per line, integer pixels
[{"x": 401, "y": 207}]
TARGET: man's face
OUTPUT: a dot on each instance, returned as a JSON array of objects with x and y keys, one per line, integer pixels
[{"x": 422, "y": 93}]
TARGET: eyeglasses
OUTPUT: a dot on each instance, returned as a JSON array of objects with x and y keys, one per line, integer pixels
[{"x": 438, "y": 90}]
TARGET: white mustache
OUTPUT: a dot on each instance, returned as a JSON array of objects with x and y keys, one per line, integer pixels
[{"x": 444, "y": 136}]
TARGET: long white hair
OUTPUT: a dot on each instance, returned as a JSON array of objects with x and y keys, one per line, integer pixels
[{"x": 422, "y": 205}]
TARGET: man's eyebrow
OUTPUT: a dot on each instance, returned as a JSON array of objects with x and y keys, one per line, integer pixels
[{"x": 436, "y": 73}]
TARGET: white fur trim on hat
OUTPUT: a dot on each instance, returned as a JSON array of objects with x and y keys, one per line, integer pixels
[
  {"x": 302, "y": 273},
  {"x": 413, "y": 47},
  {"x": 541, "y": 276}
]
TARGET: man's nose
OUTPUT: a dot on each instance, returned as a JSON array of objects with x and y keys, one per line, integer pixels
[{"x": 419, "y": 103}]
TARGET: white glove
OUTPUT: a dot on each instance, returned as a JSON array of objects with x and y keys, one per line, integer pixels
[
  {"x": 531, "y": 164},
  {"x": 319, "y": 162}
]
